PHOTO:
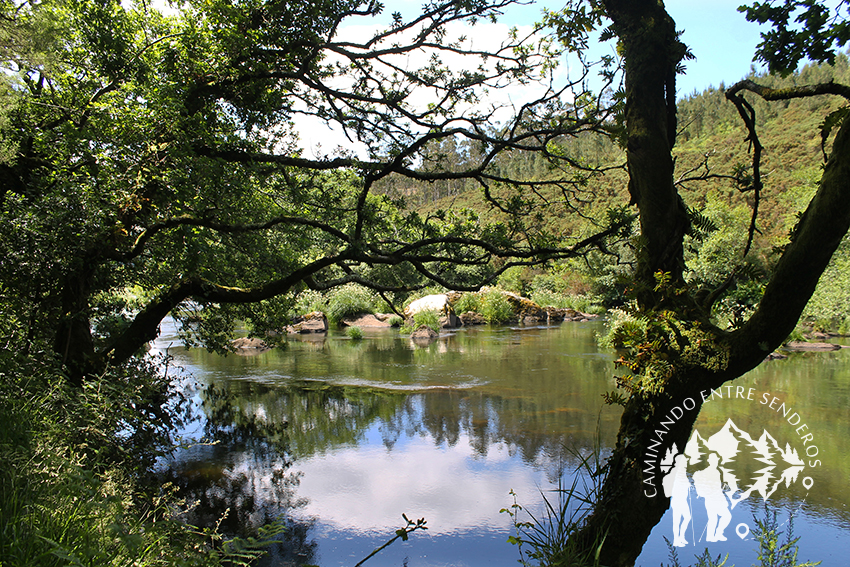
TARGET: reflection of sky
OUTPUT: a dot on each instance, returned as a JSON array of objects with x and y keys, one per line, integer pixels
[
  {"x": 821, "y": 539},
  {"x": 367, "y": 488},
  {"x": 358, "y": 494}
]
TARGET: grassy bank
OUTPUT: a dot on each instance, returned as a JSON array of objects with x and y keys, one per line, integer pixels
[{"x": 72, "y": 488}]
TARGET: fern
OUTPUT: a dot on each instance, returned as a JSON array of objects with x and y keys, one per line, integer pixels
[{"x": 244, "y": 551}]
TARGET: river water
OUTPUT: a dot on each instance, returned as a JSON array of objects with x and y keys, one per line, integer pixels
[{"x": 338, "y": 438}]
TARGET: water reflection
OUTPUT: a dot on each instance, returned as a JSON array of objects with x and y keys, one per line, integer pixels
[{"x": 342, "y": 437}]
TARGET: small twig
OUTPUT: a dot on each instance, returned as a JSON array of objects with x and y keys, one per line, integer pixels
[{"x": 402, "y": 533}]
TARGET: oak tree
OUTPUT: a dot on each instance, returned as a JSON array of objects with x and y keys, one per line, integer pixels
[
  {"x": 678, "y": 352},
  {"x": 154, "y": 161}
]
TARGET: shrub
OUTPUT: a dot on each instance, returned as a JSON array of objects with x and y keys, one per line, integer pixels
[
  {"x": 355, "y": 333},
  {"x": 563, "y": 282},
  {"x": 428, "y": 317},
  {"x": 350, "y": 300},
  {"x": 395, "y": 321},
  {"x": 309, "y": 301},
  {"x": 72, "y": 488},
  {"x": 585, "y": 303},
  {"x": 468, "y": 302},
  {"x": 495, "y": 307},
  {"x": 547, "y": 298}
]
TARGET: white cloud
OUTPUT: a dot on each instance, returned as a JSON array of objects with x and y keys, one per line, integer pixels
[{"x": 366, "y": 489}]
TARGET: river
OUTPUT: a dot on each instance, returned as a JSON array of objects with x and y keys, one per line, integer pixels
[{"x": 341, "y": 437}]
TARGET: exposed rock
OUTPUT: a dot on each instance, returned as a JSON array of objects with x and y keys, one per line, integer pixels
[
  {"x": 437, "y": 302},
  {"x": 800, "y": 346},
  {"x": 453, "y": 296},
  {"x": 524, "y": 307},
  {"x": 314, "y": 322},
  {"x": 776, "y": 356},
  {"x": 472, "y": 318},
  {"x": 368, "y": 320},
  {"x": 531, "y": 320},
  {"x": 556, "y": 315},
  {"x": 247, "y": 345},
  {"x": 424, "y": 335},
  {"x": 424, "y": 332}
]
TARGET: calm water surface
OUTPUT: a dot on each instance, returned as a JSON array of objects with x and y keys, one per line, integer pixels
[{"x": 342, "y": 437}]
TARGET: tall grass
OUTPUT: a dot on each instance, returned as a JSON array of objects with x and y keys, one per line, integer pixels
[
  {"x": 545, "y": 539},
  {"x": 72, "y": 484},
  {"x": 428, "y": 317},
  {"x": 495, "y": 307},
  {"x": 773, "y": 550}
]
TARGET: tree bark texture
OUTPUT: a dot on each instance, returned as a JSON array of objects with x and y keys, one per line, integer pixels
[
  {"x": 652, "y": 52},
  {"x": 631, "y": 501}
]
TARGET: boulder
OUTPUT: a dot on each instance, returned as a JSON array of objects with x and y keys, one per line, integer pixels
[
  {"x": 437, "y": 302},
  {"x": 557, "y": 315},
  {"x": 423, "y": 336},
  {"x": 314, "y": 322},
  {"x": 247, "y": 345},
  {"x": 531, "y": 321},
  {"x": 368, "y": 320},
  {"x": 424, "y": 332},
  {"x": 472, "y": 318},
  {"x": 800, "y": 346},
  {"x": 524, "y": 309}
]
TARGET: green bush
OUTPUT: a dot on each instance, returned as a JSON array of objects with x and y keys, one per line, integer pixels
[
  {"x": 468, "y": 302},
  {"x": 309, "y": 301},
  {"x": 586, "y": 303},
  {"x": 495, "y": 307},
  {"x": 565, "y": 282},
  {"x": 350, "y": 300},
  {"x": 355, "y": 333},
  {"x": 545, "y": 298},
  {"x": 396, "y": 321},
  {"x": 427, "y": 317},
  {"x": 72, "y": 489}
]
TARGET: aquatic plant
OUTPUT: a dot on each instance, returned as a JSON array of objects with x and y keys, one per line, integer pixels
[{"x": 355, "y": 333}]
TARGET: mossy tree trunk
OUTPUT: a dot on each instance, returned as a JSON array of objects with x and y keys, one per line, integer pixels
[{"x": 631, "y": 500}]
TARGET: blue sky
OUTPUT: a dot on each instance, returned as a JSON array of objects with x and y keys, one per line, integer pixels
[{"x": 720, "y": 37}]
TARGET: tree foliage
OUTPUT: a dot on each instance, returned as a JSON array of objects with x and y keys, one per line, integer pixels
[
  {"x": 673, "y": 349},
  {"x": 160, "y": 154}
]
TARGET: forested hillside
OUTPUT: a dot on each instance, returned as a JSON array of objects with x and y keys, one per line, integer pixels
[{"x": 713, "y": 171}]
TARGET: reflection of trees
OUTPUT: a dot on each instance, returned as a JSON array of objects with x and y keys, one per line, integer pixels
[
  {"x": 817, "y": 386},
  {"x": 543, "y": 425},
  {"x": 239, "y": 479}
]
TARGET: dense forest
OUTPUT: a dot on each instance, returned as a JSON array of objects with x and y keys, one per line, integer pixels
[{"x": 711, "y": 171}]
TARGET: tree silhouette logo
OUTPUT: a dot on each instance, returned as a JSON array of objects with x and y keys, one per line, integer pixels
[{"x": 718, "y": 473}]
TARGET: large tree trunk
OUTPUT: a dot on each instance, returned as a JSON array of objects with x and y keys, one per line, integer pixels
[
  {"x": 73, "y": 341},
  {"x": 652, "y": 52},
  {"x": 631, "y": 500}
]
